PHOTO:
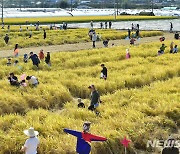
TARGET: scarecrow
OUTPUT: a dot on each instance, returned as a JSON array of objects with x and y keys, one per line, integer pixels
[{"x": 84, "y": 138}]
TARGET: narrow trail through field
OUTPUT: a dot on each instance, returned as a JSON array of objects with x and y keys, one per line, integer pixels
[{"x": 82, "y": 46}]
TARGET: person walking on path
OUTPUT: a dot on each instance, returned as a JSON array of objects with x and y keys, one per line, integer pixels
[
  {"x": 105, "y": 24},
  {"x": 129, "y": 33},
  {"x": 94, "y": 39},
  {"x": 91, "y": 23},
  {"x": 84, "y": 138},
  {"x": 137, "y": 26},
  {"x": 44, "y": 35},
  {"x": 137, "y": 33},
  {"x": 101, "y": 25},
  {"x": 6, "y": 38},
  {"x": 32, "y": 143},
  {"x": 34, "y": 58},
  {"x": 110, "y": 24},
  {"x": 171, "y": 27},
  {"x": 103, "y": 72},
  {"x": 8, "y": 28},
  {"x": 16, "y": 50},
  {"x": 30, "y": 34}
]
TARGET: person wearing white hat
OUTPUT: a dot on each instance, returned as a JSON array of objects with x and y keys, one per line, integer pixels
[{"x": 31, "y": 144}]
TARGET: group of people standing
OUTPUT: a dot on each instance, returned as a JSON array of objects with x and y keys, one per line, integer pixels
[{"x": 102, "y": 25}]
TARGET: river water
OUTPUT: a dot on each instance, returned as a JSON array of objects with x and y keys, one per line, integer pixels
[{"x": 144, "y": 25}]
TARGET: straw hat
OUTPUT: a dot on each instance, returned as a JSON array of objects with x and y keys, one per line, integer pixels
[{"x": 31, "y": 132}]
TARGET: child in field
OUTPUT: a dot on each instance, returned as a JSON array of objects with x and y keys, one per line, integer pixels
[
  {"x": 103, "y": 72},
  {"x": 127, "y": 54},
  {"x": 171, "y": 47},
  {"x": 23, "y": 81},
  {"x": 175, "y": 49},
  {"x": 16, "y": 62},
  {"x": 132, "y": 40},
  {"x": 25, "y": 58},
  {"x": 41, "y": 54},
  {"x": 162, "y": 39},
  {"x": 105, "y": 43},
  {"x": 80, "y": 103},
  {"x": 8, "y": 62}
]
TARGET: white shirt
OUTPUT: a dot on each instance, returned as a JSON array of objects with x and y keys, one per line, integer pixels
[
  {"x": 31, "y": 144},
  {"x": 33, "y": 80},
  {"x": 94, "y": 37}
]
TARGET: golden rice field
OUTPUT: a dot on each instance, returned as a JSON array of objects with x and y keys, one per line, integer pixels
[
  {"x": 58, "y": 37},
  {"x": 79, "y": 19},
  {"x": 140, "y": 99}
]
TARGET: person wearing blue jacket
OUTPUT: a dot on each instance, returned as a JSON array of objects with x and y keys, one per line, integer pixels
[
  {"x": 34, "y": 58},
  {"x": 84, "y": 138}
]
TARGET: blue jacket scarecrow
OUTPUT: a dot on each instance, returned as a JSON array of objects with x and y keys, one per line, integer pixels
[{"x": 84, "y": 139}]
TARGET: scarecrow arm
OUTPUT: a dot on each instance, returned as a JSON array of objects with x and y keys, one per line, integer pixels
[
  {"x": 73, "y": 132},
  {"x": 97, "y": 138}
]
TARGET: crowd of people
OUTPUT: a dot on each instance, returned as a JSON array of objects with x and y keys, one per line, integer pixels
[
  {"x": 32, "y": 142},
  {"x": 173, "y": 48}
]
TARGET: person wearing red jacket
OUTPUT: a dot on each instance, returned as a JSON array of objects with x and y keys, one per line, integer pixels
[{"x": 84, "y": 138}]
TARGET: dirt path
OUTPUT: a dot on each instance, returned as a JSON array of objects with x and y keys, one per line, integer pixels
[{"x": 81, "y": 46}]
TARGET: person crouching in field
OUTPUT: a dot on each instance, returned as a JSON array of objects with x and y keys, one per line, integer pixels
[
  {"x": 105, "y": 43},
  {"x": 80, "y": 103},
  {"x": 95, "y": 99},
  {"x": 132, "y": 40},
  {"x": 32, "y": 80},
  {"x": 162, "y": 39},
  {"x": 103, "y": 72},
  {"x": 35, "y": 59},
  {"x": 8, "y": 62},
  {"x": 13, "y": 79},
  {"x": 162, "y": 49},
  {"x": 32, "y": 143}
]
